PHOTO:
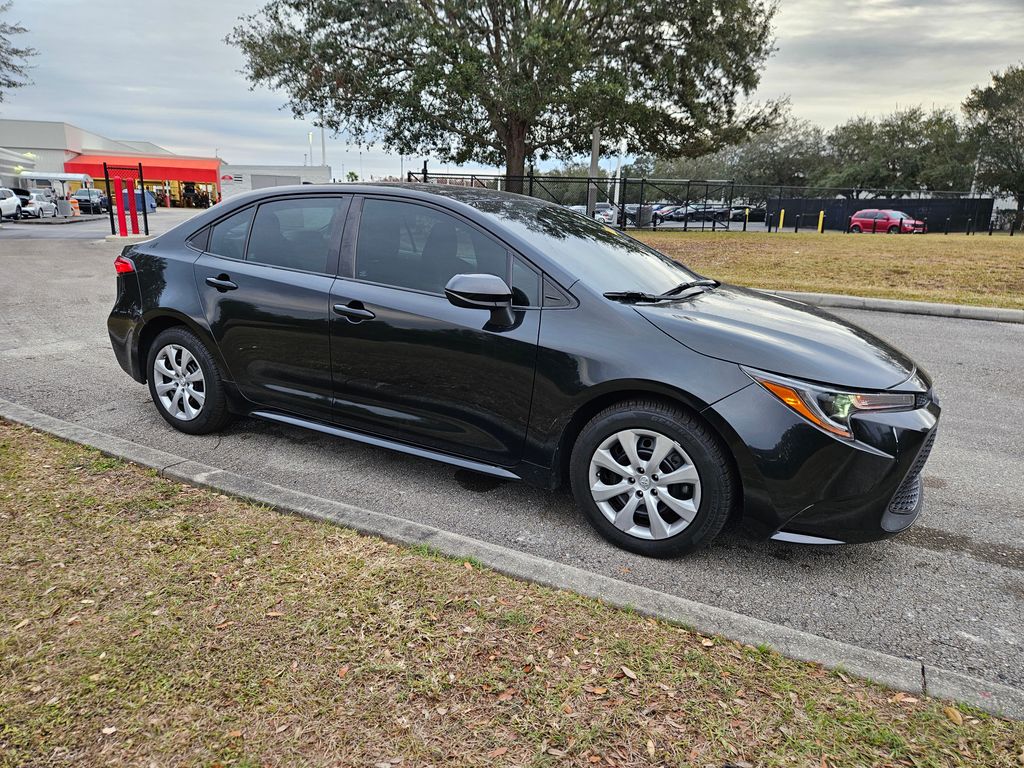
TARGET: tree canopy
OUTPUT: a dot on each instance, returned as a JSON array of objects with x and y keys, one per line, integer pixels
[
  {"x": 996, "y": 116},
  {"x": 502, "y": 81},
  {"x": 13, "y": 59}
]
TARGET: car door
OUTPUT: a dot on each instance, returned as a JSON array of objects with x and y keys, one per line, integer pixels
[
  {"x": 410, "y": 366},
  {"x": 265, "y": 278}
]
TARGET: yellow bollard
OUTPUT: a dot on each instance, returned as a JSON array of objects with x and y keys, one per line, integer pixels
[
  {"x": 821, "y": 222},
  {"x": 782, "y": 220}
]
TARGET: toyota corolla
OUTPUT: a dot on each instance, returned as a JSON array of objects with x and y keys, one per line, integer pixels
[{"x": 513, "y": 337}]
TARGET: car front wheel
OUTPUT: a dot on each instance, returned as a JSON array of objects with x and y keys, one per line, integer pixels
[
  {"x": 186, "y": 384},
  {"x": 652, "y": 478},
  {"x": 855, "y": 229}
]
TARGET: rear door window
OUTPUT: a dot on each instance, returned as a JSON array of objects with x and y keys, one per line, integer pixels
[
  {"x": 297, "y": 234},
  {"x": 228, "y": 236}
]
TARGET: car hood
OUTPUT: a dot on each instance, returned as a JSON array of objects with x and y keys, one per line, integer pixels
[{"x": 781, "y": 336}]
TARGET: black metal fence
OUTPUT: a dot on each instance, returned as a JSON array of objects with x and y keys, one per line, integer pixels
[{"x": 724, "y": 204}]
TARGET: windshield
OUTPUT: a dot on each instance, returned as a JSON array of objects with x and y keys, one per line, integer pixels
[
  {"x": 899, "y": 215},
  {"x": 598, "y": 255}
]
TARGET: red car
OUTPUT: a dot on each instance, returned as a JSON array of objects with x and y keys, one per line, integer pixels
[{"x": 893, "y": 222}]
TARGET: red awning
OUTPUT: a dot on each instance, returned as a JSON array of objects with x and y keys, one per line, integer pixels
[{"x": 157, "y": 168}]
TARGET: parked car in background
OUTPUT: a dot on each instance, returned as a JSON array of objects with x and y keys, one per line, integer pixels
[
  {"x": 886, "y": 220},
  {"x": 570, "y": 352},
  {"x": 10, "y": 204},
  {"x": 739, "y": 213},
  {"x": 661, "y": 213},
  {"x": 91, "y": 200},
  {"x": 605, "y": 213},
  {"x": 38, "y": 206}
]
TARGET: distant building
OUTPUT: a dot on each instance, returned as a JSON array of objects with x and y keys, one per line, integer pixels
[
  {"x": 235, "y": 179},
  {"x": 46, "y": 146}
]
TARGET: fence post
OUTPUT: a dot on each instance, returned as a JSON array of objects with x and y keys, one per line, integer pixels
[
  {"x": 746, "y": 217},
  {"x": 110, "y": 200},
  {"x": 991, "y": 226},
  {"x": 133, "y": 210},
  {"x": 145, "y": 205},
  {"x": 796, "y": 226},
  {"x": 122, "y": 221},
  {"x": 424, "y": 171},
  {"x": 531, "y": 179},
  {"x": 782, "y": 220},
  {"x": 821, "y": 222},
  {"x": 640, "y": 210}
]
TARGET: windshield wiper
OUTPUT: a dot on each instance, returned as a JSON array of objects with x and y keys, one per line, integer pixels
[{"x": 675, "y": 294}]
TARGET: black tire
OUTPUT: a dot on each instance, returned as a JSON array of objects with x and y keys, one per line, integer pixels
[
  {"x": 17, "y": 213},
  {"x": 855, "y": 229},
  {"x": 893, "y": 230},
  {"x": 719, "y": 488},
  {"x": 213, "y": 415}
]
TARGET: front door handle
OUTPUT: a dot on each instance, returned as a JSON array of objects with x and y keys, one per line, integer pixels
[
  {"x": 354, "y": 311},
  {"x": 222, "y": 283}
]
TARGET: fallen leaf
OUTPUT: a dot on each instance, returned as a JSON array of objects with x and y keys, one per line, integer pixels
[
  {"x": 954, "y": 715},
  {"x": 282, "y": 728},
  {"x": 343, "y": 671},
  {"x": 109, "y": 730},
  {"x": 234, "y": 734},
  {"x": 707, "y": 642},
  {"x": 536, "y": 630},
  {"x": 497, "y": 752},
  {"x": 650, "y": 748},
  {"x": 505, "y": 695},
  {"x": 556, "y": 752},
  {"x": 567, "y": 708},
  {"x": 224, "y": 625},
  {"x": 273, "y": 614},
  {"x": 629, "y": 673},
  {"x": 22, "y": 623},
  {"x": 467, "y": 565}
]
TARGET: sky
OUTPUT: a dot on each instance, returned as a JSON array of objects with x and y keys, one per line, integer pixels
[{"x": 160, "y": 71}]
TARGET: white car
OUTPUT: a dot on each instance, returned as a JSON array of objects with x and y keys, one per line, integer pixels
[
  {"x": 38, "y": 205},
  {"x": 10, "y": 204}
]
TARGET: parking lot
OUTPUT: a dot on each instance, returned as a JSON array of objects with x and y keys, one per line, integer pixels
[{"x": 949, "y": 592}]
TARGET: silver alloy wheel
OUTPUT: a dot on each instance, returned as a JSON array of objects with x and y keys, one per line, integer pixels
[
  {"x": 179, "y": 382},
  {"x": 645, "y": 484}
]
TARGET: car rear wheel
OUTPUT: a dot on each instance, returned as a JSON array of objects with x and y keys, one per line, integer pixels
[
  {"x": 894, "y": 230},
  {"x": 186, "y": 384},
  {"x": 652, "y": 478}
]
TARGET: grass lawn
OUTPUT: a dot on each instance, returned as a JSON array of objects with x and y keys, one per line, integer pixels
[
  {"x": 981, "y": 270},
  {"x": 144, "y": 622}
]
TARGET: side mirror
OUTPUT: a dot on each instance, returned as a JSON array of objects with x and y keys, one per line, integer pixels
[{"x": 483, "y": 292}]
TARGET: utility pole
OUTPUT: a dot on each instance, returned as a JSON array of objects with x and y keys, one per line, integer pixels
[
  {"x": 595, "y": 170},
  {"x": 323, "y": 143}
]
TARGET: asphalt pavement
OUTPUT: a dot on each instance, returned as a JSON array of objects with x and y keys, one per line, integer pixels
[{"x": 950, "y": 592}]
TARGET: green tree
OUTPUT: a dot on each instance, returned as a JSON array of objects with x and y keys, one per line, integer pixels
[
  {"x": 502, "y": 81},
  {"x": 352, "y": 176},
  {"x": 907, "y": 150},
  {"x": 996, "y": 116},
  {"x": 13, "y": 60}
]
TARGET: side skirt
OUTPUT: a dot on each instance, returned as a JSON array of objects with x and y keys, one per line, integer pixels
[{"x": 381, "y": 442}]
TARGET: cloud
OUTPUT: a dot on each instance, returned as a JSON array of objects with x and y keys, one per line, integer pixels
[{"x": 160, "y": 71}]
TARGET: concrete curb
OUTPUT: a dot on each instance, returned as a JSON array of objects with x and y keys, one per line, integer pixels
[
  {"x": 894, "y": 672},
  {"x": 932, "y": 309},
  {"x": 127, "y": 238}
]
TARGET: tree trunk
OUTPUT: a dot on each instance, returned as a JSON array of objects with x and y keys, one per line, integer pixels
[
  {"x": 1020, "y": 211},
  {"x": 515, "y": 158}
]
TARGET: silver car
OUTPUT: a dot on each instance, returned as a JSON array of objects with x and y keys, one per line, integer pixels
[{"x": 38, "y": 205}]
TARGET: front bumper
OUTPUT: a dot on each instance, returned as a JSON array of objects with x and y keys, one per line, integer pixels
[{"x": 801, "y": 482}]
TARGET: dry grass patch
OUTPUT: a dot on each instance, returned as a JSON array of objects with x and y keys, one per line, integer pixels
[
  {"x": 146, "y": 622},
  {"x": 980, "y": 270}
]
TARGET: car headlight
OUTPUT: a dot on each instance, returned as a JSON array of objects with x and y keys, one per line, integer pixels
[{"x": 829, "y": 409}]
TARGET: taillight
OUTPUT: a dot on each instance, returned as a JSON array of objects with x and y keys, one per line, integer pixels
[{"x": 123, "y": 265}]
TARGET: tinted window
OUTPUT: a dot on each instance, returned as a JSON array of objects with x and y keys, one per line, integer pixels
[
  {"x": 296, "y": 234},
  {"x": 228, "y": 236},
  {"x": 412, "y": 246},
  {"x": 525, "y": 285}
]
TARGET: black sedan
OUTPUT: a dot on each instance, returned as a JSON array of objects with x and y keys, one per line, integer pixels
[
  {"x": 91, "y": 201},
  {"x": 512, "y": 337}
]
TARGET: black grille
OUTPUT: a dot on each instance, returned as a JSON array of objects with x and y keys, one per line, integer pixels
[{"x": 909, "y": 493}]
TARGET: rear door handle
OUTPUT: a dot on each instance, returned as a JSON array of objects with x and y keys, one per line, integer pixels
[
  {"x": 222, "y": 283},
  {"x": 354, "y": 311}
]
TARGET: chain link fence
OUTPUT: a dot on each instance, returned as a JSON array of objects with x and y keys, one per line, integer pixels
[{"x": 725, "y": 205}]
